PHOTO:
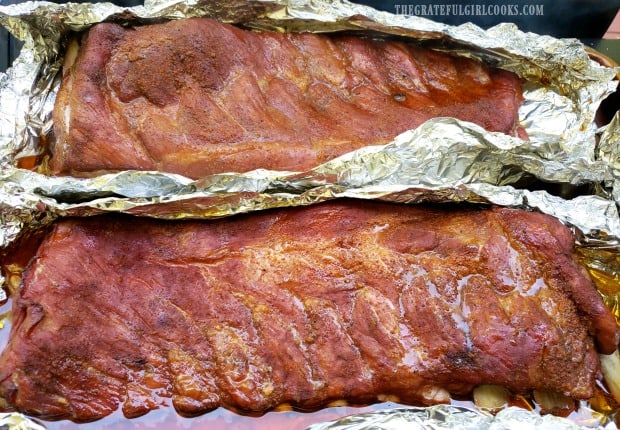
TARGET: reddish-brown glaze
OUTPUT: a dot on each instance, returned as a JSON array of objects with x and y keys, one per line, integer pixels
[
  {"x": 342, "y": 300},
  {"x": 197, "y": 97}
]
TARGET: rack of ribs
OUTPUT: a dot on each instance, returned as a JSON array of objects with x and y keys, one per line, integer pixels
[
  {"x": 198, "y": 97},
  {"x": 340, "y": 300}
]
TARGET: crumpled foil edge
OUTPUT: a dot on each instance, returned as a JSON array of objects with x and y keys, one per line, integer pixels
[
  {"x": 563, "y": 92},
  {"x": 451, "y": 417},
  {"x": 443, "y": 160}
]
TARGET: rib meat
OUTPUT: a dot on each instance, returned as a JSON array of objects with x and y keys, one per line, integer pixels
[
  {"x": 197, "y": 97},
  {"x": 342, "y": 300}
]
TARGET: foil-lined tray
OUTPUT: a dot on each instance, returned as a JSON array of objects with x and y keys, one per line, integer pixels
[
  {"x": 450, "y": 417},
  {"x": 439, "y": 417},
  {"x": 443, "y": 160}
]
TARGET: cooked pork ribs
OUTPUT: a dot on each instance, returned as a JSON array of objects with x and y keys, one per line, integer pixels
[
  {"x": 341, "y": 300},
  {"x": 198, "y": 97}
]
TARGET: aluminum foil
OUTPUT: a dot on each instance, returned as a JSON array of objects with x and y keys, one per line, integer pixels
[
  {"x": 444, "y": 160},
  {"x": 440, "y": 417},
  {"x": 14, "y": 421},
  {"x": 451, "y": 417}
]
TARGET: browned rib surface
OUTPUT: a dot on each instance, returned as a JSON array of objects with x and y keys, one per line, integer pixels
[
  {"x": 197, "y": 97},
  {"x": 344, "y": 300}
]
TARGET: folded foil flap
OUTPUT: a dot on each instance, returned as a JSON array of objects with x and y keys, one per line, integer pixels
[{"x": 443, "y": 160}]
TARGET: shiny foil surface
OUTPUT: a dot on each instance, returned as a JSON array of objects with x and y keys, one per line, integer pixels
[
  {"x": 443, "y": 160},
  {"x": 449, "y": 417}
]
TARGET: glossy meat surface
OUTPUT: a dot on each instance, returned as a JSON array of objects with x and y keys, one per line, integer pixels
[
  {"x": 197, "y": 97},
  {"x": 342, "y": 300}
]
